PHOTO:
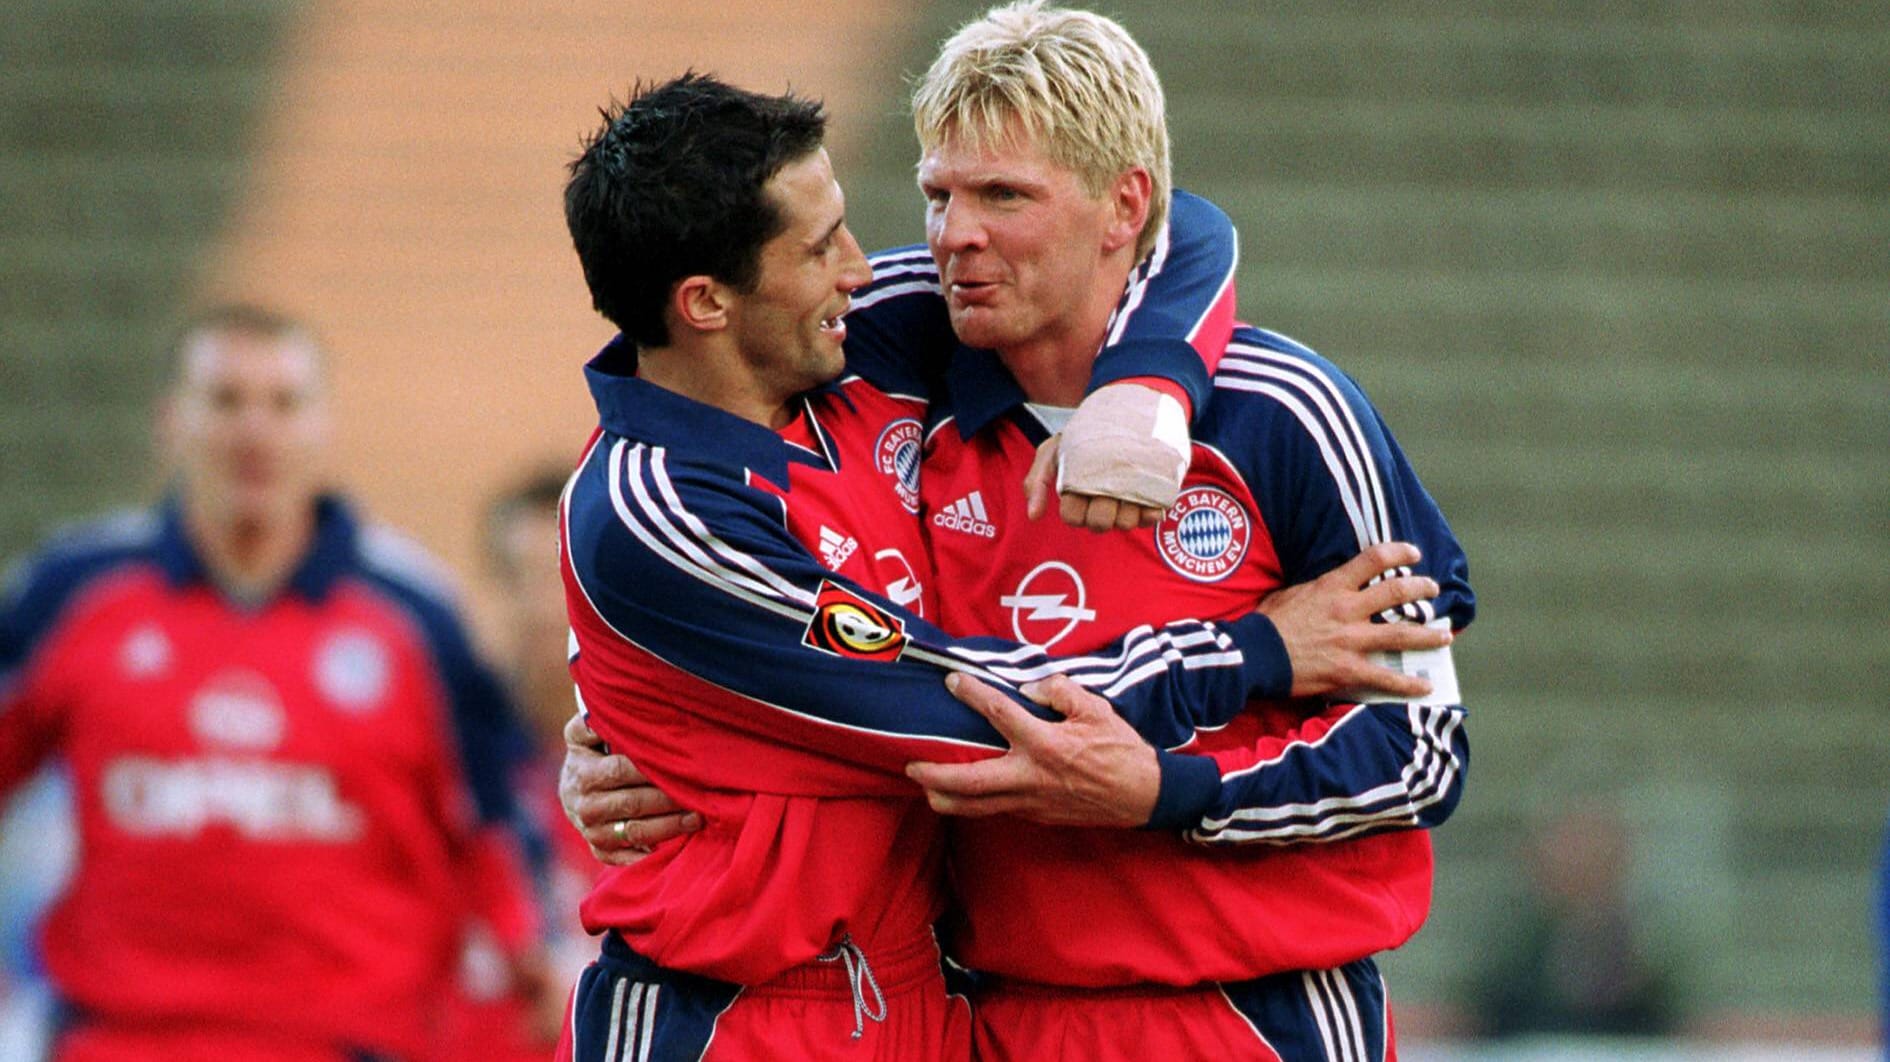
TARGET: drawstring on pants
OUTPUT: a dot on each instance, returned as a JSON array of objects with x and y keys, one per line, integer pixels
[{"x": 858, "y": 970}]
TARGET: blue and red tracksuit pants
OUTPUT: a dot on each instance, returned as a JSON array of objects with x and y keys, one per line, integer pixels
[
  {"x": 888, "y": 1004},
  {"x": 1339, "y": 1015}
]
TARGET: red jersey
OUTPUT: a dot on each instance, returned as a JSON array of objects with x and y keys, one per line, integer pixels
[
  {"x": 1299, "y": 849},
  {"x": 749, "y": 611},
  {"x": 286, "y": 807}
]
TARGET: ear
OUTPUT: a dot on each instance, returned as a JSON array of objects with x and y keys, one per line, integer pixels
[
  {"x": 1128, "y": 197},
  {"x": 701, "y": 303}
]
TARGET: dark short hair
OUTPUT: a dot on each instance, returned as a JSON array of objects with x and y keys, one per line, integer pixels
[
  {"x": 673, "y": 185},
  {"x": 535, "y": 495}
]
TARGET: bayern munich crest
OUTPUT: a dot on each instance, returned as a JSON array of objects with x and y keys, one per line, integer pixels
[
  {"x": 1204, "y": 535},
  {"x": 353, "y": 670},
  {"x": 897, "y": 454}
]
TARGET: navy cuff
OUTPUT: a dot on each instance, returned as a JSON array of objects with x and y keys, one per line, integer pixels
[
  {"x": 1170, "y": 359},
  {"x": 1190, "y": 785},
  {"x": 1268, "y": 671}
]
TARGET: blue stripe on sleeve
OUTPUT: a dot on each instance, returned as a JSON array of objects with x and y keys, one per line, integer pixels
[
  {"x": 1169, "y": 295},
  {"x": 1335, "y": 481},
  {"x": 39, "y": 588},
  {"x": 899, "y": 336},
  {"x": 485, "y": 724},
  {"x": 1381, "y": 767}
]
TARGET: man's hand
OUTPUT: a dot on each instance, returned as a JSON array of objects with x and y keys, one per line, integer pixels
[
  {"x": 1090, "y": 769},
  {"x": 1117, "y": 464},
  {"x": 621, "y": 815},
  {"x": 1079, "y": 510},
  {"x": 1328, "y": 630}
]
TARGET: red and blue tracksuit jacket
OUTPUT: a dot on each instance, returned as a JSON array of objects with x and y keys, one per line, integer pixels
[
  {"x": 1298, "y": 836},
  {"x": 286, "y": 807}
]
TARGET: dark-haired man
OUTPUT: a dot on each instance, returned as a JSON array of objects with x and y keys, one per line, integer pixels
[{"x": 282, "y": 748}]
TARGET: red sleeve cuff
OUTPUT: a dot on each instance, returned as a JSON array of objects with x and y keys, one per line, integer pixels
[{"x": 1165, "y": 386}]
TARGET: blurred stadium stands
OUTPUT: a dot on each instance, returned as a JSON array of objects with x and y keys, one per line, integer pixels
[
  {"x": 1616, "y": 272},
  {"x": 124, "y": 137}
]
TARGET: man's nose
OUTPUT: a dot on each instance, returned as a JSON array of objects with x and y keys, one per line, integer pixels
[
  {"x": 857, "y": 272},
  {"x": 959, "y": 227}
]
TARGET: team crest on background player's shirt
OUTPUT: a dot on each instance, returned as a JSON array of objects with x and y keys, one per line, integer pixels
[
  {"x": 238, "y": 709},
  {"x": 1204, "y": 535},
  {"x": 145, "y": 652},
  {"x": 352, "y": 670},
  {"x": 897, "y": 454}
]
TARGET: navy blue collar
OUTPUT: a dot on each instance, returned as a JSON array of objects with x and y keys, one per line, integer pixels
[
  {"x": 330, "y": 556},
  {"x": 638, "y": 409},
  {"x": 982, "y": 389}
]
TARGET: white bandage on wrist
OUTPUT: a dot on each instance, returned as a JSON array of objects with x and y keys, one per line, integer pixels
[{"x": 1125, "y": 441}]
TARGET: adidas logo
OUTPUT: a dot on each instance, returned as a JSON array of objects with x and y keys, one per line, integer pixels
[
  {"x": 835, "y": 547},
  {"x": 966, "y": 514}
]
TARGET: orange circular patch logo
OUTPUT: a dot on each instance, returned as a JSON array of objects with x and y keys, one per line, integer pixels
[{"x": 846, "y": 624}]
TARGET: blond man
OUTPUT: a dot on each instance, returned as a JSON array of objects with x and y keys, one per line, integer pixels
[{"x": 1301, "y": 851}]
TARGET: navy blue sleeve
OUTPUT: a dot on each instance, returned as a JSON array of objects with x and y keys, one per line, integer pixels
[
  {"x": 1327, "y": 474},
  {"x": 1377, "y": 767},
  {"x": 1329, "y": 481},
  {"x": 37, "y": 588},
  {"x": 689, "y": 565},
  {"x": 1174, "y": 318},
  {"x": 26, "y": 609},
  {"x": 899, "y": 335},
  {"x": 15, "y": 625},
  {"x": 501, "y": 867},
  {"x": 36, "y": 594},
  {"x": 486, "y": 726}
]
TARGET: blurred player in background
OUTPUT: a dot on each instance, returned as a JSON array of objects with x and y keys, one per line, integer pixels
[
  {"x": 512, "y": 1019},
  {"x": 285, "y": 757},
  {"x": 1569, "y": 955}
]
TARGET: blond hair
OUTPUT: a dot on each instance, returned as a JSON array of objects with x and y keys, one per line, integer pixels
[{"x": 1076, "y": 83}]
